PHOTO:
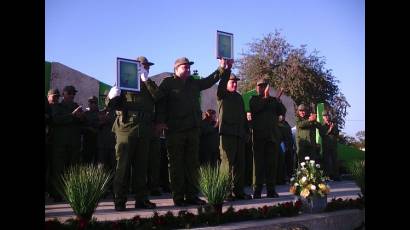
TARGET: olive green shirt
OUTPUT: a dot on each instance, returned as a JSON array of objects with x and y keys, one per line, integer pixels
[
  {"x": 180, "y": 107},
  {"x": 329, "y": 139},
  {"x": 265, "y": 117},
  {"x": 306, "y": 130},
  {"x": 231, "y": 108},
  {"x": 135, "y": 110},
  {"x": 67, "y": 127}
]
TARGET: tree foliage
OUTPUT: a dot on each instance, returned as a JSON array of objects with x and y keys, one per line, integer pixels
[{"x": 301, "y": 75}]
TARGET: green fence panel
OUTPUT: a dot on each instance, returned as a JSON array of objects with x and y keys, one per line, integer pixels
[{"x": 47, "y": 76}]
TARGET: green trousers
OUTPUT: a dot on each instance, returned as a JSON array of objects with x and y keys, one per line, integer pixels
[
  {"x": 131, "y": 151},
  {"x": 183, "y": 163},
  {"x": 232, "y": 150},
  {"x": 154, "y": 160},
  {"x": 266, "y": 156}
]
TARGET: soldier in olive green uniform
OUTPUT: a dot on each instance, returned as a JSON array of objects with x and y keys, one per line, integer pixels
[
  {"x": 249, "y": 153},
  {"x": 154, "y": 165},
  {"x": 180, "y": 112},
  {"x": 287, "y": 139},
  {"x": 90, "y": 132},
  {"x": 233, "y": 131},
  {"x": 266, "y": 138},
  {"x": 306, "y": 134},
  {"x": 68, "y": 119},
  {"x": 106, "y": 138},
  {"x": 51, "y": 101},
  {"x": 329, "y": 133},
  {"x": 209, "y": 140},
  {"x": 133, "y": 130}
]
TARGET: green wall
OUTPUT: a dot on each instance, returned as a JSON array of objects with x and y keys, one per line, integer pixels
[{"x": 47, "y": 76}]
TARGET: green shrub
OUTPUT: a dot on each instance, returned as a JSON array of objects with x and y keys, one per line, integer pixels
[
  {"x": 357, "y": 169},
  {"x": 214, "y": 183},
  {"x": 83, "y": 186}
]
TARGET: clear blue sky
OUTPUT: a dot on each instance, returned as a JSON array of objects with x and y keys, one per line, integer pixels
[{"x": 88, "y": 35}]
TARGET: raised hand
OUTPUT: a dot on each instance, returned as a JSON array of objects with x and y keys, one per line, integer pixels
[{"x": 266, "y": 92}]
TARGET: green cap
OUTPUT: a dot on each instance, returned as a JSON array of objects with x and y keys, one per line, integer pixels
[
  {"x": 69, "y": 88},
  {"x": 301, "y": 107},
  {"x": 262, "y": 81},
  {"x": 182, "y": 61},
  {"x": 143, "y": 60},
  {"x": 93, "y": 99},
  {"x": 233, "y": 77},
  {"x": 53, "y": 92}
]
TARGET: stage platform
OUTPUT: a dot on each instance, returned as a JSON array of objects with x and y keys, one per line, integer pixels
[{"x": 105, "y": 211}]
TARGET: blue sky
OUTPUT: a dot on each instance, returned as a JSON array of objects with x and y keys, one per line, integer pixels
[{"x": 88, "y": 35}]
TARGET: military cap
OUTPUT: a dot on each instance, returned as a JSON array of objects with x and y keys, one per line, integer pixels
[
  {"x": 69, "y": 88},
  {"x": 53, "y": 92},
  {"x": 233, "y": 77},
  {"x": 262, "y": 81},
  {"x": 301, "y": 107},
  {"x": 144, "y": 60},
  {"x": 93, "y": 99},
  {"x": 325, "y": 113},
  {"x": 182, "y": 61}
]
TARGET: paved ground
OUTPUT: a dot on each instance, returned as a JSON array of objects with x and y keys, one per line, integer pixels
[{"x": 105, "y": 210}]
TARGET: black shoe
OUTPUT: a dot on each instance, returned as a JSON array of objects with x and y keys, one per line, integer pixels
[
  {"x": 230, "y": 197},
  {"x": 195, "y": 201},
  {"x": 166, "y": 190},
  {"x": 273, "y": 195},
  {"x": 146, "y": 204},
  {"x": 155, "y": 192},
  {"x": 257, "y": 195},
  {"x": 242, "y": 196},
  {"x": 179, "y": 203},
  {"x": 120, "y": 207}
]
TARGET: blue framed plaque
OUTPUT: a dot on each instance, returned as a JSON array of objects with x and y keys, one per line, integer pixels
[
  {"x": 128, "y": 77},
  {"x": 224, "y": 45}
]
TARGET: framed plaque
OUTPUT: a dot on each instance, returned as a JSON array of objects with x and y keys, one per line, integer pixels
[
  {"x": 128, "y": 77},
  {"x": 224, "y": 45}
]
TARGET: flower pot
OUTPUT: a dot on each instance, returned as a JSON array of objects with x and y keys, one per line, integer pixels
[{"x": 314, "y": 204}]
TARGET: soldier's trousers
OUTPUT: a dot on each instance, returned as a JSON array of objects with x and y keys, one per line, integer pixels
[
  {"x": 305, "y": 149},
  {"x": 266, "y": 156},
  {"x": 232, "y": 150},
  {"x": 154, "y": 159},
  {"x": 63, "y": 156},
  {"x": 183, "y": 163},
  {"x": 330, "y": 162},
  {"x": 131, "y": 150},
  {"x": 248, "y": 164}
]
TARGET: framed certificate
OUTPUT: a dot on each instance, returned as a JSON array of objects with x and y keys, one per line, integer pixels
[
  {"x": 128, "y": 77},
  {"x": 224, "y": 45}
]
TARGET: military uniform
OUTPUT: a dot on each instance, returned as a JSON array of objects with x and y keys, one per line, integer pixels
[
  {"x": 209, "y": 144},
  {"x": 329, "y": 146},
  {"x": 154, "y": 163},
  {"x": 106, "y": 139},
  {"x": 180, "y": 111},
  {"x": 133, "y": 130},
  {"x": 249, "y": 157},
  {"x": 266, "y": 141},
  {"x": 306, "y": 138},
  {"x": 90, "y": 133},
  {"x": 66, "y": 138},
  {"x": 233, "y": 131},
  {"x": 287, "y": 139}
]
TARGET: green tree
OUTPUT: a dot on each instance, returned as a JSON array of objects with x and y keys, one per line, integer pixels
[{"x": 302, "y": 76}]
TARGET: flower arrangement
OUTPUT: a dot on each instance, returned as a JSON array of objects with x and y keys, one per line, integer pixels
[{"x": 309, "y": 180}]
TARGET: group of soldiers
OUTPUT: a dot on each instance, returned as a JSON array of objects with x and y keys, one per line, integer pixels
[{"x": 158, "y": 132}]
